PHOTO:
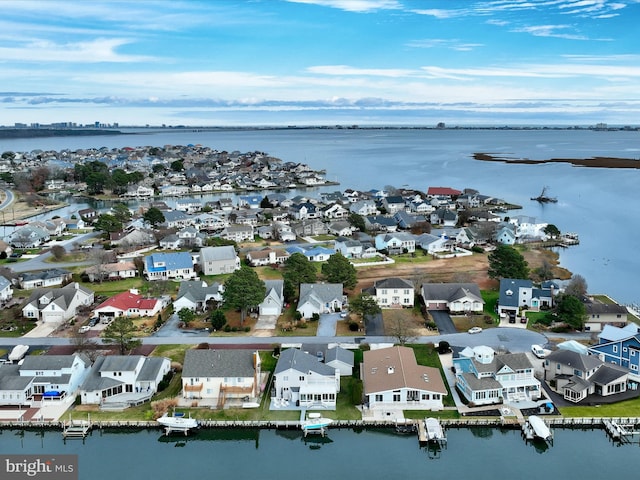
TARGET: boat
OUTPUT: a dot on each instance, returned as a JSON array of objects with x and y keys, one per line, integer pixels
[
  {"x": 543, "y": 198},
  {"x": 540, "y": 428},
  {"x": 316, "y": 421},
  {"x": 177, "y": 422},
  {"x": 435, "y": 433}
]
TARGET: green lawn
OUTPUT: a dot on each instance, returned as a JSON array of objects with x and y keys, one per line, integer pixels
[
  {"x": 417, "y": 257},
  {"x": 628, "y": 408},
  {"x": 490, "y": 298}
]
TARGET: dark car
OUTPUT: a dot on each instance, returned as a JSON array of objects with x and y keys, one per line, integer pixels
[{"x": 93, "y": 321}]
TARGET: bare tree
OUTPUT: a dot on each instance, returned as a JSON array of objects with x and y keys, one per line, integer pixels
[
  {"x": 100, "y": 258},
  {"x": 85, "y": 344},
  {"x": 577, "y": 286},
  {"x": 401, "y": 330}
]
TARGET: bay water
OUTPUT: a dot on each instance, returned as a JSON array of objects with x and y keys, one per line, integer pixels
[{"x": 479, "y": 453}]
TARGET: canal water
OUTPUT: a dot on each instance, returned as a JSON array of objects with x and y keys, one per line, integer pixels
[{"x": 477, "y": 453}]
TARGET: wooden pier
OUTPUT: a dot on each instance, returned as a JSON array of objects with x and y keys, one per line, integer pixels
[
  {"x": 76, "y": 429},
  {"x": 621, "y": 432}
]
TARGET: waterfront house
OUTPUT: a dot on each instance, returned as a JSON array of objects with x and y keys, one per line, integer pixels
[
  {"x": 128, "y": 304},
  {"x": 450, "y": 193},
  {"x": 168, "y": 266},
  {"x": 619, "y": 346},
  {"x": 333, "y": 355},
  {"x": 218, "y": 260},
  {"x": 57, "y": 304},
  {"x": 583, "y": 378},
  {"x": 273, "y": 302},
  {"x": 58, "y": 376},
  {"x": 452, "y": 297},
  {"x": 196, "y": 294},
  {"x": 433, "y": 244},
  {"x": 177, "y": 219},
  {"x": 224, "y": 377},
  {"x": 123, "y": 380},
  {"x": 392, "y": 293},
  {"x": 320, "y": 298},
  {"x": 392, "y": 378},
  {"x": 340, "y": 229},
  {"x": 301, "y": 381},
  {"x": 485, "y": 378},
  {"x": 393, "y": 204}
]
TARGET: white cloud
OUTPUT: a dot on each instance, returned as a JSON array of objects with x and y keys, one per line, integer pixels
[
  {"x": 93, "y": 51},
  {"x": 360, "y": 6},
  {"x": 347, "y": 70}
]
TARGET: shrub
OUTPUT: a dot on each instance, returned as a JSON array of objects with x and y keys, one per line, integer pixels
[
  {"x": 247, "y": 329},
  {"x": 227, "y": 328},
  {"x": 477, "y": 249},
  {"x": 315, "y": 317},
  {"x": 353, "y": 326}
]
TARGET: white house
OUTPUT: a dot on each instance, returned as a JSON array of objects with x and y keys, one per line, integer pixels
[
  {"x": 485, "y": 378},
  {"x": 453, "y": 297},
  {"x": 218, "y": 260},
  {"x": 6, "y": 292},
  {"x": 392, "y": 378},
  {"x": 127, "y": 379},
  {"x": 57, "y": 304},
  {"x": 195, "y": 294},
  {"x": 301, "y": 381},
  {"x": 42, "y": 378},
  {"x": 273, "y": 302},
  {"x": 393, "y": 293},
  {"x": 320, "y": 298}
]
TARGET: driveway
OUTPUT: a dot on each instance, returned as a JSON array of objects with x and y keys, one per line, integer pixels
[
  {"x": 374, "y": 325},
  {"x": 443, "y": 322},
  {"x": 327, "y": 325},
  {"x": 170, "y": 329}
]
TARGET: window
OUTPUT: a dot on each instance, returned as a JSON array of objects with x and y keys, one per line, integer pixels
[
  {"x": 396, "y": 397},
  {"x": 301, "y": 378},
  {"x": 624, "y": 349},
  {"x": 378, "y": 398},
  {"x": 615, "y": 349}
]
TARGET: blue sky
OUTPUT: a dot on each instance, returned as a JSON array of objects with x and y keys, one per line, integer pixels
[{"x": 320, "y": 62}]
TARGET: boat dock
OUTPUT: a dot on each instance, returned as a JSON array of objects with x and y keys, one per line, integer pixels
[
  {"x": 76, "y": 429},
  {"x": 430, "y": 431},
  {"x": 624, "y": 433}
]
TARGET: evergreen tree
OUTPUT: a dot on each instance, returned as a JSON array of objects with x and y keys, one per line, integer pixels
[
  {"x": 338, "y": 269},
  {"x": 507, "y": 262},
  {"x": 243, "y": 289},
  {"x": 298, "y": 269}
]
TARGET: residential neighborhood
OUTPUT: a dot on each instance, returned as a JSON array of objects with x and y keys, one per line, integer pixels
[{"x": 255, "y": 264}]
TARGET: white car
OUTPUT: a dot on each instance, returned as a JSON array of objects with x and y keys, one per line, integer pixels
[
  {"x": 475, "y": 330},
  {"x": 538, "y": 351}
]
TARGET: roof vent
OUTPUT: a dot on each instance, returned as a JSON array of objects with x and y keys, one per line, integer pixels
[{"x": 390, "y": 370}]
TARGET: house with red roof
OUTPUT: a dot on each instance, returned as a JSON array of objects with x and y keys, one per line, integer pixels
[
  {"x": 442, "y": 192},
  {"x": 128, "y": 304}
]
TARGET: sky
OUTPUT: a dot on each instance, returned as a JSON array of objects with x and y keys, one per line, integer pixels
[{"x": 320, "y": 62}]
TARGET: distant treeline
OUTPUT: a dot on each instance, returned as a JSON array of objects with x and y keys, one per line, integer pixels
[{"x": 53, "y": 132}]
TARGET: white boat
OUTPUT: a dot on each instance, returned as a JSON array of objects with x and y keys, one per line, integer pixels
[
  {"x": 435, "y": 433},
  {"x": 540, "y": 428},
  {"x": 177, "y": 422},
  {"x": 316, "y": 421}
]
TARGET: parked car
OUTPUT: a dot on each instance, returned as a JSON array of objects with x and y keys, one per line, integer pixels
[
  {"x": 93, "y": 321},
  {"x": 538, "y": 351},
  {"x": 475, "y": 330},
  {"x": 84, "y": 329},
  {"x": 344, "y": 314}
]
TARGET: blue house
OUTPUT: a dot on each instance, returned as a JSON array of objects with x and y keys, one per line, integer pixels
[
  {"x": 313, "y": 254},
  {"x": 620, "y": 346},
  {"x": 168, "y": 266}
]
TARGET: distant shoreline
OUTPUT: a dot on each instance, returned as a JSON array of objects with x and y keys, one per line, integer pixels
[
  {"x": 9, "y": 133},
  {"x": 593, "y": 162}
]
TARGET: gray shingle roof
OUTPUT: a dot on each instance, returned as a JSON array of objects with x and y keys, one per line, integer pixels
[
  {"x": 295, "y": 359},
  {"x": 47, "y": 362},
  {"x": 575, "y": 360},
  {"x": 218, "y": 363}
]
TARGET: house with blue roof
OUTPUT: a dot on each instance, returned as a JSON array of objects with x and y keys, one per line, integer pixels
[
  {"x": 620, "y": 346},
  {"x": 169, "y": 266},
  {"x": 313, "y": 254}
]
